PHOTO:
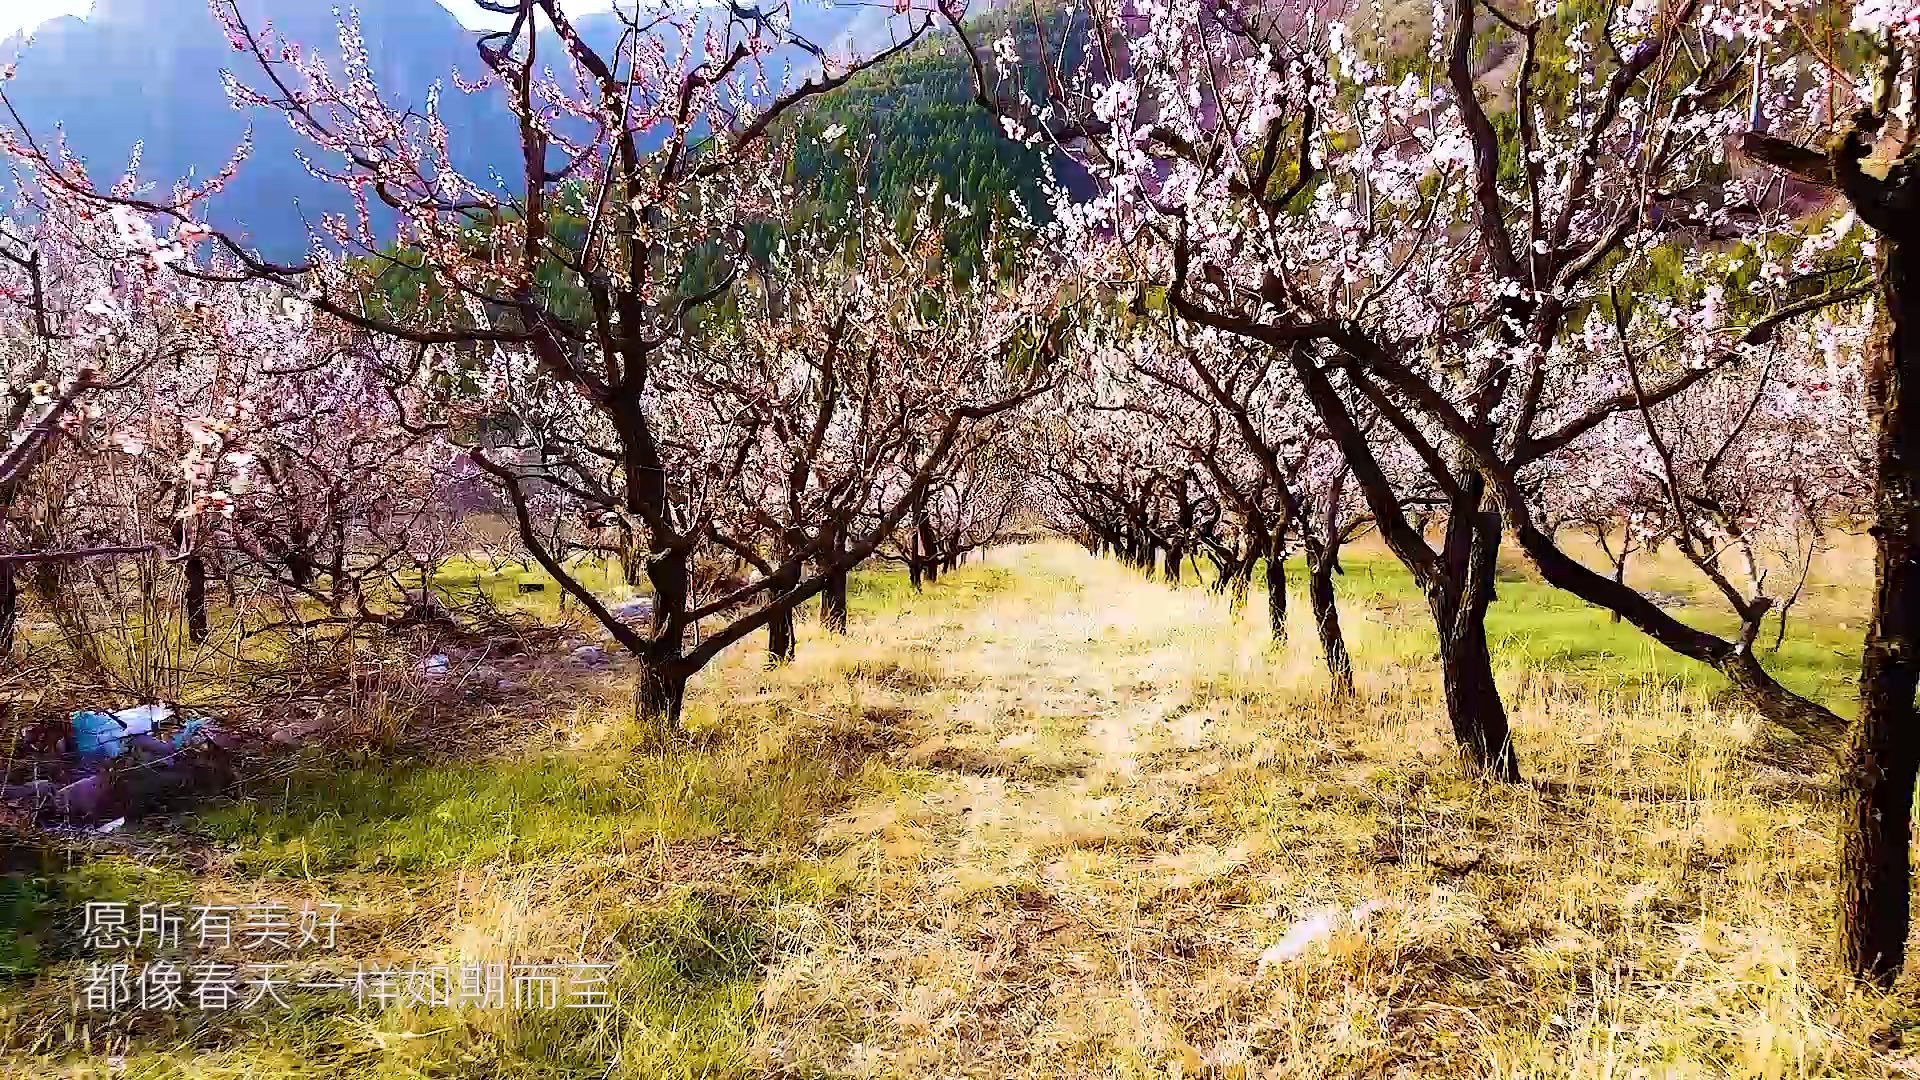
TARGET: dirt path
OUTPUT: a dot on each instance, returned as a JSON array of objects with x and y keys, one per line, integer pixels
[{"x": 1025, "y": 893}]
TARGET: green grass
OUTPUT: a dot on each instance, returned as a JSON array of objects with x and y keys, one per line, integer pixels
[
  {"x": 1535, "y": 627},
  {"x": 42, "y": 892},
  {"x": 403, "y": 817}
]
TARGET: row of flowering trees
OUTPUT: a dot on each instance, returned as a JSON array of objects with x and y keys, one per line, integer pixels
[
  {"x": 633, "y": 330},
  {"x": 1507, "y": 279},
  {"x": 1517, "y": 273}
]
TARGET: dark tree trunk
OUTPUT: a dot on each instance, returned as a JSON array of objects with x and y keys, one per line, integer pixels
[
  {"x": 1326, "y": 619},
  {"x": 913, "y": 570},
  {"x": 662, "y": 686},
  {"x": 1277, "y": 592},
  {"x": 196, "y": 599},
  {"x": 780, "y": 645},
  {"x": 1619, "y": 571},
  {"x": 1459, "y": 606},
  {"x": 833, "y": 598},
  {"x": 1473, "y": 701},
  {"x": 9, "y": 607},
  {"x": 632, "y": 566},
  {"x": 929, "y": 548},
  {"x": 833, "y": 603},
  {"x": 780, "y": 636},
  {"x": 1240, "y": 580},
  {"x": 299, "y": 562},
  {"x": 1884, "y": 750},
  {"x": 1175, "y": 556},
  {"x": 661, "y": 690}
]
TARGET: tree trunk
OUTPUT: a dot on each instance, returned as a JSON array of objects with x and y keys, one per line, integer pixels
[
  {"x": 780, "y": 637},
  {"x": 1470, "y": 551},
  {"x": 913, "y": 568},
  {"x": 1326, "y": 619},
  {"x": 1884, "y": 749},
  {"x": 196, "y": 599},
  {"x": 1620, "y": 571},
  {"x": 632, "y": 566},
  {"x": 833, "y": 603},
  {"x": 662, "y": 686},
  {"x": 929, "y": 548},
  {"x": 661, "y": 691},
  {"x": 833, "y": 598},
  {"x": 9, "y": 607},
  {"x": 1277, "y": 592},
  {"x": 780, "y": 644},
  {"x": 300, "y": 566},
  {"x": 1478, "y": 716},
  {"x": 1240, "y": 581},
  {"x": 1175, "y": 556}
]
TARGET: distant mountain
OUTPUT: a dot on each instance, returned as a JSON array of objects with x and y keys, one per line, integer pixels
[{"x": 149, "y": 72}]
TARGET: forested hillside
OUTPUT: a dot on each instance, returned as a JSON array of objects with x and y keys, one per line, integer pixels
[{"x": 911, "y": 123}]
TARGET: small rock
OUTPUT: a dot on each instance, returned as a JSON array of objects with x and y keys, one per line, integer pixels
[
  {"x": 505, "y": 645},
  {"x": 298, "y": 732},
  {"x": 83, "y": 798},
  {"x": 635, "y": 610},
  {"x": 590, "y": 655},
  {"x": 35, "y": 794}
]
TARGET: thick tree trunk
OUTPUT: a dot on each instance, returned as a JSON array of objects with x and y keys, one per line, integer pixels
[
  {"x": 196, "y": 599},
  {"x": 929, "y": 548},
  {"x": 913, "y": 570},
  {"x": 632, "y": 566},
  {"x": 1175, "y": 556},
  {"x": 299, "y": 563},
  {"x": 833, "y": 599},
  {"x": 1883, "y": 752},
  {"x": 662, "y": 686},
  {"x": 1479, "y": 718},
  {"x": 1326, "y": 619},
  {"x": 780, "y": 643},
  {"x": 661, "y": 691},
  {"x": 1277, "y": 592}
]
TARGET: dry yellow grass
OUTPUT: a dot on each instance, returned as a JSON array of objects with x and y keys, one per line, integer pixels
[{"x": 1130, "y": 797}]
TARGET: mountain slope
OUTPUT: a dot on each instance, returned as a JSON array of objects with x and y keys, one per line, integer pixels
[{"x": 148, "y": 73}]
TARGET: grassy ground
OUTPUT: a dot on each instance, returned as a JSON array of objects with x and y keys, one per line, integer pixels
[{"x": 1046, "y": 819}]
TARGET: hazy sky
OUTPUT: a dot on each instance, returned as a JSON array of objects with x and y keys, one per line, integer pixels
[{"x": 16, "y": 14}]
